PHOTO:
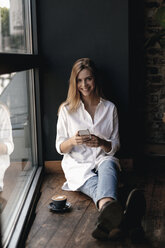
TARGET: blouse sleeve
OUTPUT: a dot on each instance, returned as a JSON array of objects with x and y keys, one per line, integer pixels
[
  {"x": 114, "y": 139},
  {"x": 6, "y": 130},
  {"x": 62, "y": 127}
]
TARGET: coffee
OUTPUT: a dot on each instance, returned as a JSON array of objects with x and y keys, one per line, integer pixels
[{"x": 59, "y": 201}]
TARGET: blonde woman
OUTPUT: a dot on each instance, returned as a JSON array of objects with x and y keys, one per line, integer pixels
[
  {"x": 6, "y": 142},
  {"x": 89, "y": 161}
]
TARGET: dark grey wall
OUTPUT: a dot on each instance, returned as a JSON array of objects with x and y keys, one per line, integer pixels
[{"x": 69, "y": 30}]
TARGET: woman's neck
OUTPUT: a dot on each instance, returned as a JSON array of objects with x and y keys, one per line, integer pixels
[{"x": 91, "y": 100}]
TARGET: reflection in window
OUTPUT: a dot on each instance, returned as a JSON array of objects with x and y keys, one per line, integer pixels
[
  {"x": 14, "y": 32},
  {"x": 17, "y": 124},
  {"x": 6, "y": 142}
]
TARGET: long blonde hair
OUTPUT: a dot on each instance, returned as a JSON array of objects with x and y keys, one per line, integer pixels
[{"x": 73, "y": 97}]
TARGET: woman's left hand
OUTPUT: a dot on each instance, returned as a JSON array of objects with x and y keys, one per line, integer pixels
[
  {"x": 94, "y": 141},
  {"x": 98, "y": 142}
]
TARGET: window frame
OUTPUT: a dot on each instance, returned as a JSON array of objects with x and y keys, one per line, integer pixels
[{"x": 12, "y": 62}]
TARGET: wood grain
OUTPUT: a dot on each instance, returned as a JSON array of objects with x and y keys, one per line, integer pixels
[{"x": 73, "y": 229}]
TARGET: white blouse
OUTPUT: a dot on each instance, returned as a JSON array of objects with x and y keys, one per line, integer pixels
[
  {"x": 79, "y": 163},
  {"x": 7, "y": 139}
]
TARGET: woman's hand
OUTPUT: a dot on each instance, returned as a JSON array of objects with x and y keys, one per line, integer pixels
[
  {"x": 94, "y": 141},
  {"x": 90, "y": 141},
  {"x": 98, "y": 142},
  {"x": 80, "y": 140},
  {"x": 3, "y": 149},
  {"x": 76, "y": 140}
]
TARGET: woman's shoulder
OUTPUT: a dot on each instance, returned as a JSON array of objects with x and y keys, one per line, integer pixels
[
  {"x": 108, "y": 103},
  {"x": 64, "y": 107}
]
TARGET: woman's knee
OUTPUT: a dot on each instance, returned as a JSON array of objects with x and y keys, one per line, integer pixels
[
  {"x": 108, "y": 165},
  {"x": 90, "y": 187}
]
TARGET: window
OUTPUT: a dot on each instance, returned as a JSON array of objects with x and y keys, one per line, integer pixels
[
  {"x": 14, "y": 26},
  {"x": 20, "y": 131},
  {"x": 17, "y": 97}
]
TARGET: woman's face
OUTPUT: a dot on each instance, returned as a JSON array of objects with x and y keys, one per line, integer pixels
[{"x": 85, "y": 83}]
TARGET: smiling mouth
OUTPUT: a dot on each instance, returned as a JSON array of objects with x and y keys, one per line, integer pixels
[{"x": 86, "y": 89}]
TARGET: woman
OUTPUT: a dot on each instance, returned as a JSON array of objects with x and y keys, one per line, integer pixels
[
  {"x": 89, "y": 163},
  {"x": 6, "y": 142}
]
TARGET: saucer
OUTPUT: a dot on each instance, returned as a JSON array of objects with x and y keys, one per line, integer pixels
[{"x": 52, "y": 207}]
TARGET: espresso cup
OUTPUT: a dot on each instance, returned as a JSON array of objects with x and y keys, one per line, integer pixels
[{"x": 59, "y": 201}]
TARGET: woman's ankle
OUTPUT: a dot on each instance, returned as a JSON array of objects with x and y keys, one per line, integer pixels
[{"x": 103, "y": 201}]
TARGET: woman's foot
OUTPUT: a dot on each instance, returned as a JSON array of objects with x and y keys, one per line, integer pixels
[
  {"x": 104, "y": 200},
  {"x": 109, "y": 218}
]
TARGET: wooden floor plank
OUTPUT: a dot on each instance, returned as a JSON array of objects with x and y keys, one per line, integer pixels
[
  {"x": 69, "y": 225},
  {"x": 73, "y": 229}
]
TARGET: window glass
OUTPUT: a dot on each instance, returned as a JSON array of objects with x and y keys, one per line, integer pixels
[
  {"x": 18, "y": 157},
  {"x": 15, "y": 34}
]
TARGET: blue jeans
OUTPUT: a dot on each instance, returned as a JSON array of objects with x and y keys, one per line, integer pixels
[{"x": 103, "y": 184}]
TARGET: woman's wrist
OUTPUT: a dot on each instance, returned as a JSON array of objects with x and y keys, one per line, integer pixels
[
  {"x": 106, "y": 145},
  {"x": 71, "y": 142},
  {"x": 67, "y": 145}
]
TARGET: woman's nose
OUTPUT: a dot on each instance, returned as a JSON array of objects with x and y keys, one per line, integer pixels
[{"x": 84, "y": 83}]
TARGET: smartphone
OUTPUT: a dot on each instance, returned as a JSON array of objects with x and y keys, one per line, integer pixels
[{"x": 84, "y": 132}]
